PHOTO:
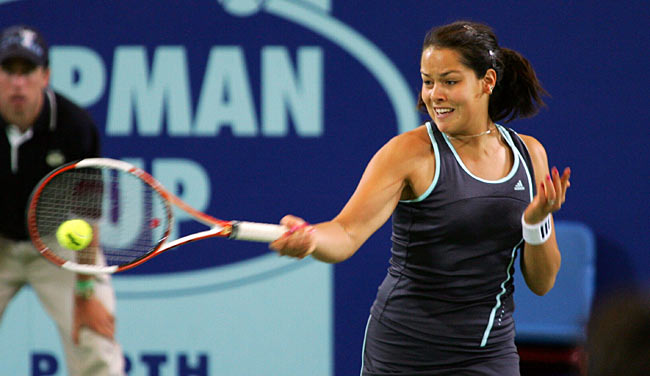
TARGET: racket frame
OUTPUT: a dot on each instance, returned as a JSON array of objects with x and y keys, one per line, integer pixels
[{"x": 240, "y": 230}]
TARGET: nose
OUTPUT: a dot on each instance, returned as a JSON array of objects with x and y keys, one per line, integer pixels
[{"x": 437, "y": 94}]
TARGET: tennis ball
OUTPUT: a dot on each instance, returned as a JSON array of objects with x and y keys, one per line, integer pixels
[{"x": 74, "y": 234}]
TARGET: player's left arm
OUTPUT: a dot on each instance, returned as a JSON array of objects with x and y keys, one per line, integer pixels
[{"x": 541, "y": 263}]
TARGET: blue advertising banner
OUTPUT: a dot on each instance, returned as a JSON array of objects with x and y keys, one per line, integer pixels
[{"x": 254, "y": 109}]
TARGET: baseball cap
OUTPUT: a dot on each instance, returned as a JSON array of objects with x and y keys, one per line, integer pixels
[{"x": 25, "y": 42}]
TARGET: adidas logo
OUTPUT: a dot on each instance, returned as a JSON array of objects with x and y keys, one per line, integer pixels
[{"x": 519, "y": 186}]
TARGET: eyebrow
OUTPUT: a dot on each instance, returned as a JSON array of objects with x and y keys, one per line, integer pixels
[{"x": 441, "y": 75}]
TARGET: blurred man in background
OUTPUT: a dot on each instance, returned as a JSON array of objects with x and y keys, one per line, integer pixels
[{"x": 43, "y": 130}]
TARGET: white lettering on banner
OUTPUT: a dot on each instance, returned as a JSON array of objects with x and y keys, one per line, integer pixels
[
  {"x": 282, "y": 94},
  {"x": 115, "y": 233},
  {"x": 138, "y": 99},
  {"x": 226, "y": 97},
  {"x": 307, "y": 14},
  {"x": 185, "y": 178},
  {"x": 79, "y": 73},
  {"x": 133, "y": 90}
]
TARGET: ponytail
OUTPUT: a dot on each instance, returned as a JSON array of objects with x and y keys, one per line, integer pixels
[{"x": 518, "y": 93}]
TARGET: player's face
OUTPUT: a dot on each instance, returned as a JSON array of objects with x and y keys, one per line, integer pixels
[
  {"x": 21, "y": 91},
  {"x": 455, "y": 98}
]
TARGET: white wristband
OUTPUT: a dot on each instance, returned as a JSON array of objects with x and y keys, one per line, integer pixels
[{"x": 538, "y": 233}]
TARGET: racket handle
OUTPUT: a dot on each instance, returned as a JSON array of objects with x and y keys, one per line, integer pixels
[{"x": 256, "y": 232}]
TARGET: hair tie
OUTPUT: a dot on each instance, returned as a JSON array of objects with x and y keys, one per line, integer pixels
[
  {"x": 493, "y": 57},
  {"x": 470, "y": 29}
]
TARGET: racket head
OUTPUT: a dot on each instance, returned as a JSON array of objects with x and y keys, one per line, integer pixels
[{"x": 128, "y": 209}]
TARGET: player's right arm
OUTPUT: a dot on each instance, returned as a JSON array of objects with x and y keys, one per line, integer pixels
[{"x": 397, "y": 171}]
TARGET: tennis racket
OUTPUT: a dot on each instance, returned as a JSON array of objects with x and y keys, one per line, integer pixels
[{"x": 130, "y": 212}]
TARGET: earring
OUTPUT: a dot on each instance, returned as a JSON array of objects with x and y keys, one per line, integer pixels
[{"x": 490, "y": 87}]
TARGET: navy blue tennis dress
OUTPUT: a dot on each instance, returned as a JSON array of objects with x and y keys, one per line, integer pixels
[{"x": 445, "y": 306}]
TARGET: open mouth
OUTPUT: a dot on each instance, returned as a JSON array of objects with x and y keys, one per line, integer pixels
[{"x": 442, "y": 111}]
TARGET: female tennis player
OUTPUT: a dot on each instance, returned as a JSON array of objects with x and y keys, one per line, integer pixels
[{"x": 465, "y": 194}]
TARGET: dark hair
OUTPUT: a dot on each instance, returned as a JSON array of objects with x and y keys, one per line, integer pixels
[{"x": 517, "y": 92}]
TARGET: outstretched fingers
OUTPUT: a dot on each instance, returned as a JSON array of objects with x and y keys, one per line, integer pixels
[
  {"x": 565, "y": 183},
  {"x": 554, "y": 189},
  {"x": 550, "y": 194},
  {"x": 550, "y": 197}
]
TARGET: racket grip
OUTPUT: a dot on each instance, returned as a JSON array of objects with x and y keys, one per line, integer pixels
[{"x": 256, "y": 232}]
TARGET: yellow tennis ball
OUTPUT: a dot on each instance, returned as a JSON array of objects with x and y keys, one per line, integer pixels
[{"x": 74, "y": 234}]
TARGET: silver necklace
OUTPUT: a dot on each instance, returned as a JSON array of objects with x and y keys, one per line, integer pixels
[{"x": 461, "y": 137}]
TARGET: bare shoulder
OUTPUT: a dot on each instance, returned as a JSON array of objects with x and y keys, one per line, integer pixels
[
  {"x": 412, "y": 160},
  {"x": 535, "y": 148},
  {"x": 403, "y": 155},
  {"x": 537, "y": 154}
]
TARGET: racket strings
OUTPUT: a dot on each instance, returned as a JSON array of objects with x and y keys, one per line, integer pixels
[{"x": 129, "y": 218}]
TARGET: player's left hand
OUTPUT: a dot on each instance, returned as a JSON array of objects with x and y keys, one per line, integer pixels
[
  {"x": 92, "y": 314},
  {"x": 551, "y": 194}
]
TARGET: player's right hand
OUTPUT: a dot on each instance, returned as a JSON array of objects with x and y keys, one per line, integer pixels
[{"x": 299, "y": 241}]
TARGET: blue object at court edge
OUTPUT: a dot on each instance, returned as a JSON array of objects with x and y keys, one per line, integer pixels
[{"x": 560, "y": 316}]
